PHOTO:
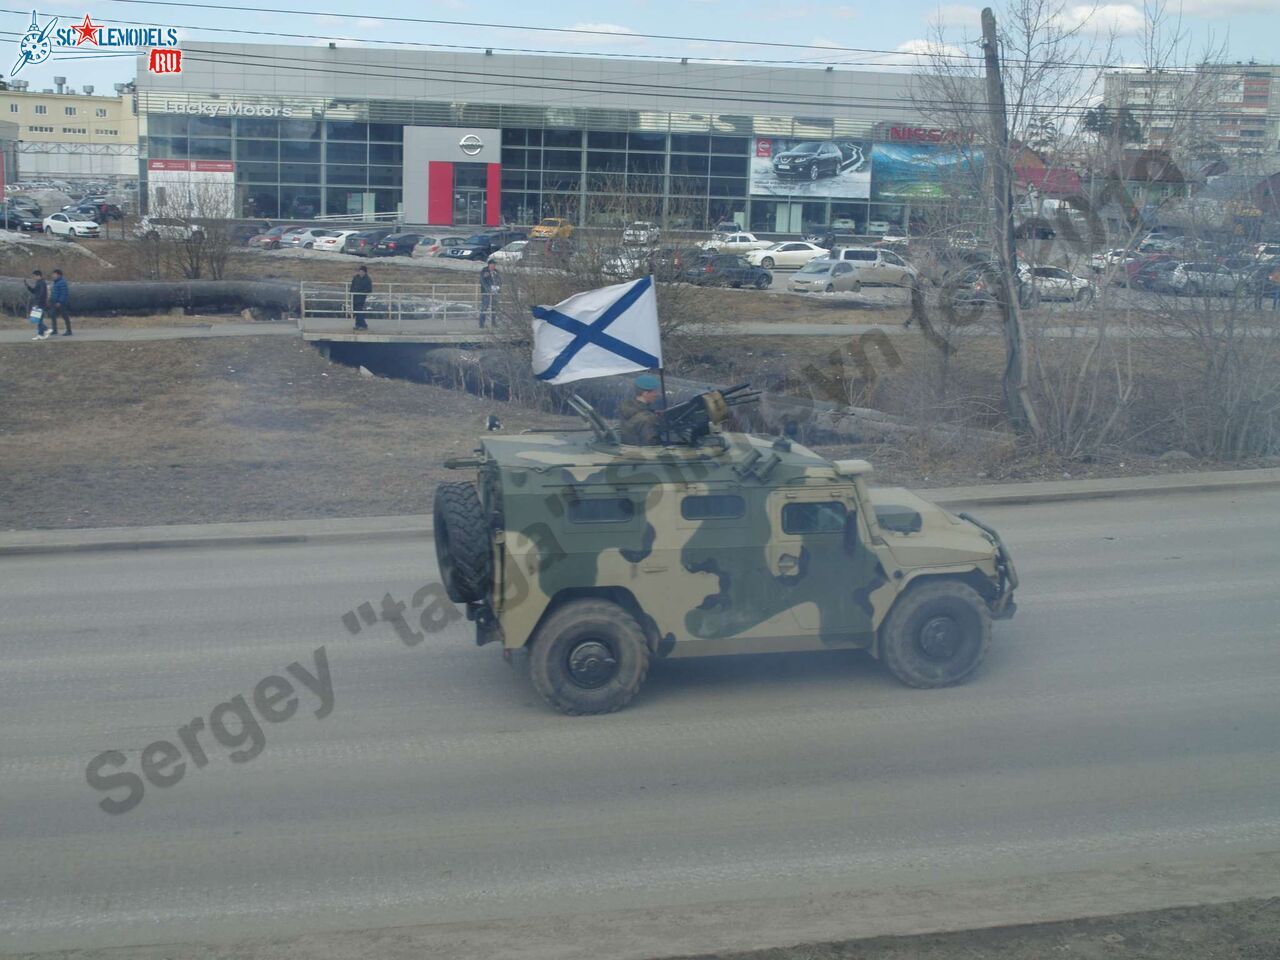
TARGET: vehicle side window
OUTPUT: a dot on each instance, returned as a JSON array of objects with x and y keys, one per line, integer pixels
[
  {"x": 823, "y": 517},
  {"x": 604, "y": 510},
  {"x": 844, "y": 268},
  {"x": 893, "y": 258},
  {"x": 718, "y": 506}
]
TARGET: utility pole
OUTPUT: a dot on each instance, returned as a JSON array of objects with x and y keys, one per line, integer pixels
[{"x": 1017, "y": 395}]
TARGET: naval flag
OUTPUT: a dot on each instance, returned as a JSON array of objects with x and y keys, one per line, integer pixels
[{"x": 598, "y": 333}]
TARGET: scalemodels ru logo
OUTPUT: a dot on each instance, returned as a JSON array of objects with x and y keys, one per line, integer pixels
[{"x": 38, "y": 44}]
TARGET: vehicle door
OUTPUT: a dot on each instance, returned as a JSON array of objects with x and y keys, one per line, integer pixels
[
  {"x": 895, "y": 268},
  {"x": 819, "y": 566},
  {"x": 844, "y": 276}
]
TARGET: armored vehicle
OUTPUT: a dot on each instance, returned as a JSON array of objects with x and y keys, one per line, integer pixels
[{"x": 599, "y": 557}]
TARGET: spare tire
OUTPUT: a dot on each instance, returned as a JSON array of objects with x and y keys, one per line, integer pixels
[{"x": 463, "y": 552}]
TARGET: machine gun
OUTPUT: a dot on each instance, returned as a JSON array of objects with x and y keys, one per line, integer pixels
[{"x": 689, "y": 421}]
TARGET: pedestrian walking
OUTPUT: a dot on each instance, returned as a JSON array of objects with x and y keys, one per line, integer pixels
[
  {"x": 490, "y": 284},
  {"x": 361, "y": 287},
  {"x": 38, "y": 303},
  {"x": 59, "y": 298}
]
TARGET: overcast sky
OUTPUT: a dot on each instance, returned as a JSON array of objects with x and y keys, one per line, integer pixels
[{"x": 1246, "y": 28}]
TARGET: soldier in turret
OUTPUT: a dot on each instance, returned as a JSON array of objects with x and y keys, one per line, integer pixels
[{"x": 640, "y": 420}]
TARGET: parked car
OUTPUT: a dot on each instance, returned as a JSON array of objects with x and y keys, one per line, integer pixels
[
  {"x": 1267, "y": 251},
  {"x": 269, "y": 239},
  {"x": 21, "y": 219},
  {"x": 552, "y": 228},
  {"x": 1102, "y": 262},
  {"x": 809, "y": 160},
  {"x": 480, "y": 245},
  {"x": 789, "y": 253},
  {"x": 397, "y": 245},
  {"x": 26, "y": 205},
  {"x": 548, "y": 252},
  {"x": 167, "y": 228},
  {"x": 878, "y": 228},
  {"x": 623, "y": 263},
  {"x": 65, "y": 225},
  {"x": 726, "y": 270},
  {"x": 1202, "y": 277},
  {"x": 334, "y": 240},
  {"x": 1055, "y": 283},
  {"x": 726, "y": 226},
  {"x": 511, "y": 253},
  {"x": 825, "y": 276},
  {"x": 435, "y": 246},
  {"x": 641, "y": 232},
  {"x": 844, "y": 223},
  {"x": 877, "y": 266},
  {"x": 98, "y": 211},
  {"x": 735, "y": 243},
  {"x": 364, "y": 243},
  {"x": 303, "y": 238},
  {"x": 979, "y": 283},
  {"x": 1152, "y": 274}
]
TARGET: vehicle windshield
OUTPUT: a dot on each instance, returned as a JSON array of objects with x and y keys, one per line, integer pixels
[
  {"x": 808, "y": 146},
  {"x": 816, "y": 266}
]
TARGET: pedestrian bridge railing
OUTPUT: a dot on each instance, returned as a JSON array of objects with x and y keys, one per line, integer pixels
[{"x": 391, "y": 307}]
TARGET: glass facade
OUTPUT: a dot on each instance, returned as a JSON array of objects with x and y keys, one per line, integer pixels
[{"x": 291, "y": 167}]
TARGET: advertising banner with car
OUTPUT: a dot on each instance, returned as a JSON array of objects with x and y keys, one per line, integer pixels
[
  {"x": 811, "y": 168},
  {"x": 913, "y": 171}
]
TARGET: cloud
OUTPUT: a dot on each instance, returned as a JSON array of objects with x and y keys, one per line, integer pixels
[
  {"x": 1120, "y": 18},
  {"x": 929, "y": 48},
  {"x": 1226, "y": 8},
  {"x": 601, "y": 33},
  {"x": 957, "y": 15}
]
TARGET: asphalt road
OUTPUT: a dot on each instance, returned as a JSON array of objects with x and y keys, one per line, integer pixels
[{"x": 1127, "y": 716}]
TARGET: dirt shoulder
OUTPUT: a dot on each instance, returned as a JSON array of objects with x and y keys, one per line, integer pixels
[
  {"x": 194, "y": 431},
  {"x": 1246, "y": 930},
  {"x": 99, "y": 434}
]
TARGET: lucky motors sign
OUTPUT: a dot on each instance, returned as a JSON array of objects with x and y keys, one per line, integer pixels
[
  {"x": 230, "y": 108},
  {"x": 40, "y": 43}
]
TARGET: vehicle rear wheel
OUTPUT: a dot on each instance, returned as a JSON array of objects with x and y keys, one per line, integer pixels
[
  {"x": 936, "y": 634},
  {"x": 463, "y": 552},
  {"x": 589, "y": 657},
  {"x": 308, "y": 246},
  {"x": 48, "y": 231},
  {"x": 767, "y": 263}
]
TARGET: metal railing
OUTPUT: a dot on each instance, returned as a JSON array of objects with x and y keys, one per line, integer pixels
[{"x": 423, "y": 308}]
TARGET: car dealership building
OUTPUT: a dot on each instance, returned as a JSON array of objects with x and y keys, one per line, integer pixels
[{"x": 473, "y": 139}]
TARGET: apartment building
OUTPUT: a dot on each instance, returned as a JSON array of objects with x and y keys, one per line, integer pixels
[
  {"x": 1235, "y": 107},
  {"x": 65, "y": 134}
]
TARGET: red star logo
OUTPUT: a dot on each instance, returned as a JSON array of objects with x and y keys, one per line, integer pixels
[{"x": 88, "y": 31}]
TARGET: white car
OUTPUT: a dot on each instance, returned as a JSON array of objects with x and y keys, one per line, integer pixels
[
  {"x": 166, "y": 228},
  {"x": 735, "y": 243},
  {"x": 65, "y": 225},
  {"x": 511, "y": 253},
  {"x": 844, "y": 223},
  {"x": 1101, "y": 262},
  {"x": 304, "y": 237},
  {"x": 788, "y": 253},
  {"x": 333, "y": 240},
  {"x": 641, "y": 232},
  {"x": 434, "y": 246},
  {"x": 877, "y": 228},
  {"x": 877, "y": 266},
  {"x": 825, "y": 276},
  {"x": 1055, "y": 283}
]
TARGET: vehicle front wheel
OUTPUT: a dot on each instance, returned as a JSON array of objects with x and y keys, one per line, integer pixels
[
  {"x": 767, "y": 263},
  {"x": 1084, "y": 296},
  {"x": 813, "y": 172},
  {"x": 71, "y": 232},
  {"x": 936, "y": 634},
  {"x": 830, "y": 288},
  {"x": 48, "y": 231},
  {"x": 308, "y": 246},
  {"x": 763, "y": 282},
  {"x": 589, "y": 657}
]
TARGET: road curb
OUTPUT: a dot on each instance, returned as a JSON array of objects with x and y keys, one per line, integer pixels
[{"x": 418, "y": 526}]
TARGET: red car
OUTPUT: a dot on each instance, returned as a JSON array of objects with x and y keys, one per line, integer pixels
[{"x": 270, "y": 239}]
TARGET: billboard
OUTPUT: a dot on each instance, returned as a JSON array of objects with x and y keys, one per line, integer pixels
[
  {"x": 915, "y": 171},
  {"x": 811, "y": 168}
]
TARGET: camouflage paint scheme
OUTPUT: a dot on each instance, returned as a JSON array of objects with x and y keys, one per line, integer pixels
[{"x": 724, "y": 585}]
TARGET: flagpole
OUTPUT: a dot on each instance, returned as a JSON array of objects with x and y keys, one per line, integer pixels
[{"x": 662, "y": 380}]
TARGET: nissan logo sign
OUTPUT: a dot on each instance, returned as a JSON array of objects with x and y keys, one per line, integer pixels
[{"x": 471, "y": 144}]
